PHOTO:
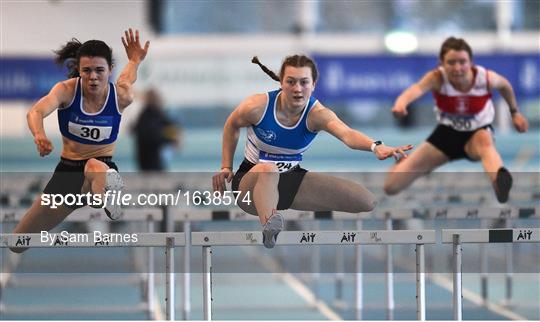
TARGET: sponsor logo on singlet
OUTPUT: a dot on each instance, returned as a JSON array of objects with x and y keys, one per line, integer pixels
[
  {"x": 284, "y": 162},
  {"x": 267, "y": 135}
]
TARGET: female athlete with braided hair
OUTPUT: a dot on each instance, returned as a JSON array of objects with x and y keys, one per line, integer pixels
[{"x": 281, "y": 125}]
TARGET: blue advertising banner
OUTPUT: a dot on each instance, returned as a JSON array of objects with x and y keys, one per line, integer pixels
[
  {"x": 28, "y": 78},
  {"x": 347, "y": 77},
  {"x": 342, "y": 77}
]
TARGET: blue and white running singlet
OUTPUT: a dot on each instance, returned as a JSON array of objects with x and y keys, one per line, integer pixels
[
  {"x": 90, "y": 128},
  {"x": 270, "y": 141}
]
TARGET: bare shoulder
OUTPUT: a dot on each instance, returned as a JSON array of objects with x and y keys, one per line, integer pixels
[
  {"x": 435, "y": 73},
  {"x": 64, "y": 91},
  {"x": 318, "y": 109},
  {"x": 432, "y": 80},
  {"x": 495, "y": 80},
  {"x": 319, "y": 116},
  {"x": 256, "y": 101},
  {"x": 67, "y": 85},
  {"x": 321, "y": 111},
  {"x": 252, "y": 108}
]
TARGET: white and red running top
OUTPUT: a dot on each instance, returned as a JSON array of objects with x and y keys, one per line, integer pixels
[{"x": 465, "y": 111}]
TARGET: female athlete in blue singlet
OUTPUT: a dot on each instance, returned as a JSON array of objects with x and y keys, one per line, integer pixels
[
  {"x": 89, "y": 112},
  {"x": 464, "y": 112},
  {"x": 281, "y": 125}
]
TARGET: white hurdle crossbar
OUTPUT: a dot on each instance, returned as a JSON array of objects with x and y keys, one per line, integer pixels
[
  {"x": 167, "y": 240},
  {"x": 298, "y": 238},
  {"x": 148, "y": 215},
  {"x": 194, "y": 214},
  {"x": 479, "y": 211},
  {"x": 463, "y": 236}
]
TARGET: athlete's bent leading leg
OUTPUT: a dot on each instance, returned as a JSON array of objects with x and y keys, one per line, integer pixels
[
  {"x": 261, "y": 182},
  {"x": 322, "y": 192},
  {"x": 99, "y": 179},
  {"x": 480, "y": 147},
  {"x": 423, "y": 160}
]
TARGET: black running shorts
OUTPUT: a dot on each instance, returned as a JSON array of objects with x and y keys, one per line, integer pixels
[
  {"x": 289, "y": 183},
  {"x": 68, "y": 177},
  {"x": 452, "y": 142}
]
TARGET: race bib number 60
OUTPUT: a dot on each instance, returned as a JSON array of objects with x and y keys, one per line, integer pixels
[{"x": 460, "y": 123}]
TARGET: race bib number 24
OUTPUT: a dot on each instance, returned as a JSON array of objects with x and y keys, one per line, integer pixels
[{"x": 283, "y": 162}]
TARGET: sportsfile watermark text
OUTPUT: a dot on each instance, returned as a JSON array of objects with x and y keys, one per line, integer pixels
[{"x": 113, "y": 198}]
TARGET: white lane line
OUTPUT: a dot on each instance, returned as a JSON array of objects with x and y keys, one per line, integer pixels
[
  {"x": 8, "y": 265},
  {"x": 447, "y": 284},
  {"x": 468, "y": 294},
  {"x": 302, "y": 290},
  {"x": 157, "y": 313},
  {"x": 4, "y": 278},
  {"x": 294, "y": 283}
]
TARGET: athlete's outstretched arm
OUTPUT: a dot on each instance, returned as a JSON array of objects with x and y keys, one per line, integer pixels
[
  {"x": 247, "y": 113},
  {"x": 429, "y": 82},
  {"x": 322, "y": 118},
  {"x": 504, "y": 87},
  {"x": 136, "y": 54},
  {"x": 58, "y": 96}
]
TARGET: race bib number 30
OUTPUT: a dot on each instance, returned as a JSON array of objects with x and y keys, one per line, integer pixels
[
  {"x": 284, "y": 162},
  {"x": 89, "y": 132},
  {"x": 94, "y": 128}
]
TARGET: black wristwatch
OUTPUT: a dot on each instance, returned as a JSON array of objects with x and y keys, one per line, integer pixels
[{"x": 374, "y": 144}]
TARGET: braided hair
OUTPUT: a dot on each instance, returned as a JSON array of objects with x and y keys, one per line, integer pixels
[{"x": 294, "y": 61}]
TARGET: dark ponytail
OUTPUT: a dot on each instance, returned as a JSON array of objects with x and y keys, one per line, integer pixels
[
  {"x": 265, "y": 69},
  {"x": 67, "y": 55}
]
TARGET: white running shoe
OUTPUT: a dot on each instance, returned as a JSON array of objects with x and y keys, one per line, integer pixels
[{"x": 113, "y": 182}]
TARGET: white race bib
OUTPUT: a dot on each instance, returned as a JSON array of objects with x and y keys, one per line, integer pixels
[
  {"x": 90, "y": 132},
  {"x": 459, "y": 122},
  {"x": 284, "y": 162}
]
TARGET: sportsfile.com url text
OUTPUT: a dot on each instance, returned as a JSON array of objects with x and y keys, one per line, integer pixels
[{"x": 111, "y": 197}]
